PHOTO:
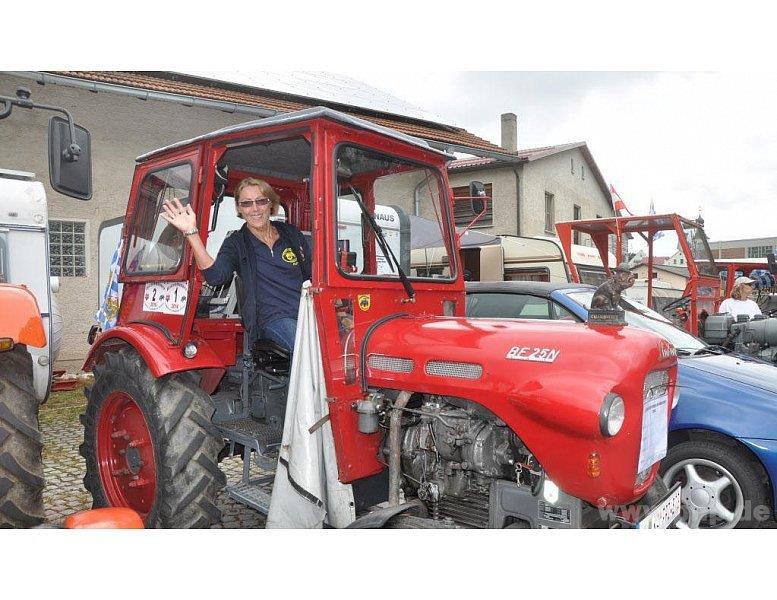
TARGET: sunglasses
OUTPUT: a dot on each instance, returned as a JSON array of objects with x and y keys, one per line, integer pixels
[{"x": 258, "y": 202}]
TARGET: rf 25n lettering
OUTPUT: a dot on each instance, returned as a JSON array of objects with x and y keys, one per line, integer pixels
[{"x": 546, "y": 355}]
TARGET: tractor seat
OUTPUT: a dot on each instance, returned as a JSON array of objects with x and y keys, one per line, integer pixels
[{"x": 269, "y": 356}]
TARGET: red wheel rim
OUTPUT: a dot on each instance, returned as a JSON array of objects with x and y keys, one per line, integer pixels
[{"x": 125, "y": 454}]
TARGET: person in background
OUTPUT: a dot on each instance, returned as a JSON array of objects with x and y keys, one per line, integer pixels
[
  {"x": 740, "y": 303},
  {"x": 271, "y": 257}
]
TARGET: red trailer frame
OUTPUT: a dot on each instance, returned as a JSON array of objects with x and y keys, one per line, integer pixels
[
  {"x": 702, "y": 289},
  {"x": 731, "y": 266}
]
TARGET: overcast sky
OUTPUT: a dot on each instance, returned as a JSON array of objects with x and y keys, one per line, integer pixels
[{"x": 686, "y": 140}]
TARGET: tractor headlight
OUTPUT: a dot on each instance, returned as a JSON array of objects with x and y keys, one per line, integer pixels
[
  {"x": 611, "y": 415},
  {"x": 190, "y": 350}
]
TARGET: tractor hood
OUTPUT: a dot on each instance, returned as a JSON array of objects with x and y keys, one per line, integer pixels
[{"x": 546, "y": 380}]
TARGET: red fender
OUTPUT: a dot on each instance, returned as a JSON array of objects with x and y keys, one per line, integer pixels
[{"x": 157, "y": 352}]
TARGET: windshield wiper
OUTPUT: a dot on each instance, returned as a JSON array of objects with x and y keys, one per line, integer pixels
[
  {"x": 388, "y": 253},
  {"x": 711, "y": 349}
]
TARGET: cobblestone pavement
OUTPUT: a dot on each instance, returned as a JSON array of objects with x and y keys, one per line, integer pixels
[{"x": 63, "y": 467}]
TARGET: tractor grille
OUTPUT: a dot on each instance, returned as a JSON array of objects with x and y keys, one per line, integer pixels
[
  {"x": 445, "y": 368},
  {"x": 394, "y": 364}
]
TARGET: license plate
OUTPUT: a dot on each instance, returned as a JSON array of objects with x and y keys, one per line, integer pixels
[{"x": 664, "y": 514}]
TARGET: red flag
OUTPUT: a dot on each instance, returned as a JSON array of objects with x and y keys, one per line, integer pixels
[{"x": 618, "y": 204}]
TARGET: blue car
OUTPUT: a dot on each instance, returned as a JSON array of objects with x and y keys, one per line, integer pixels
[{"x": 723, "y": 431}]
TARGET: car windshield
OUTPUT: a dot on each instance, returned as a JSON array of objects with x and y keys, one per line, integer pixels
[{"x": 641, "y": 316}]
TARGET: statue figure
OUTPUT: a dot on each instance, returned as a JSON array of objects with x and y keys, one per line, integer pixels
[{"x": 608, "y": 295}]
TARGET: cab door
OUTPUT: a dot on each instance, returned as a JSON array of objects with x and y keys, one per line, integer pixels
[{"x": 156, "y": 260}]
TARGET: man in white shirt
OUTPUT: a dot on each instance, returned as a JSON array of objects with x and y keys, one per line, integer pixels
[{"x": 740, "y": 303}]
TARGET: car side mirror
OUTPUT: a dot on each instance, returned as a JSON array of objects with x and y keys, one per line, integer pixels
[
  {"x": 70, "y": 160},
  {"x": 477, "y": 195}
]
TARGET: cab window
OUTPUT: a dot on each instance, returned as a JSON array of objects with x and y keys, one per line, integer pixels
[
  {"x": 406, "y": 202},
  {"x": 155, "y": 246}
]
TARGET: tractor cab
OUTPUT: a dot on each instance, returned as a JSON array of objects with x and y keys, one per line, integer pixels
[
  {"x": 364, "y": 196},
  {"x": 701, "y": 295}
]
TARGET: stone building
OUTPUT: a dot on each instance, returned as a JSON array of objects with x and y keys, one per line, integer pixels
[
  {"x": 130, "y": 113},
  {"x": 534, "y": 188},
  {"x": 748, "y": 248}
]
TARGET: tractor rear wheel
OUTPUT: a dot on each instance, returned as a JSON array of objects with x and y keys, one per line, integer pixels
[
  {"x": 21, "y": 465},
  {"x": 149, "y": 444}
]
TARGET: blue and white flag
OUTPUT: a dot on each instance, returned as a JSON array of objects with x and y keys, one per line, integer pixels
[{"x": 109, "y": 309}]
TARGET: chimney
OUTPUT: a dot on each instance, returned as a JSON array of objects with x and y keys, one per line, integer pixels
[{"x": 510, "y": 132}]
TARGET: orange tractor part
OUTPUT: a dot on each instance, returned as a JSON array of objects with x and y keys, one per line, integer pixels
[
  {"x": 105, "y": 518},
  {"x": 20, "y": 318}
]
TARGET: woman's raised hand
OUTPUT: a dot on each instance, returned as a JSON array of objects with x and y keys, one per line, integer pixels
[{"x": 179, "y": 216}]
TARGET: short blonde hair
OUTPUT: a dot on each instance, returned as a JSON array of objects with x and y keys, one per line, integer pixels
[
  {"x": 737, "y": 292},
  {"x": 264, "y": 187}
]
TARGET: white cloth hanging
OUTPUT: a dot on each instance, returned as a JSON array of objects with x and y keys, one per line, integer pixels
[{"x": 307, "y": 492}]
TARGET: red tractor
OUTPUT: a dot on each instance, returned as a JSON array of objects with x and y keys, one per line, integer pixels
[{"x": 471, "y": 422}]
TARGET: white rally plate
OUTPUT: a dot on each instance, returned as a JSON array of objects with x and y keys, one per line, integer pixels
[{"x": 664, "y": 514}]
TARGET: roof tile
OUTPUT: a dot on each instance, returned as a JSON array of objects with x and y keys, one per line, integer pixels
[{"x": 282, "y": 103}]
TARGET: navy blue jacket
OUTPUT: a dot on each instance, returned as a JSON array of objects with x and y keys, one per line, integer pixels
[{"x": 236, "y": 256}]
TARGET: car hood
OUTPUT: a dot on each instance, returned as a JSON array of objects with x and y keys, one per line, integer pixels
[{"x": 736, "y": 367}]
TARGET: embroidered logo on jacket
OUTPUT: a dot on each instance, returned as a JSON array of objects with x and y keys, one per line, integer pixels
[{"x": 289, "y": 257}]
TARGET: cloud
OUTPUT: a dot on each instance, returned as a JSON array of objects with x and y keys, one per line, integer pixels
[{"x": 686, "y": 140}]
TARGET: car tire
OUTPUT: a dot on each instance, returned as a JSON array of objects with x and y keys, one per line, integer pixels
[{"x": 723, "y": 487}]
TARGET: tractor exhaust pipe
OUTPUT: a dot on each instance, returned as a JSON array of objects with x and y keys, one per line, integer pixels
[{"x": 395, "y": 444}]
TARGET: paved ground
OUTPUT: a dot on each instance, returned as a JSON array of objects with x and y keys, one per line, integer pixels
[{"x": 64, "y": 468}]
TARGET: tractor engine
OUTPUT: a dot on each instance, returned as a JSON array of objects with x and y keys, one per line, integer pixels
[
  {"x": 452, "y": 452},
  {"x": 757, "y": 336}
]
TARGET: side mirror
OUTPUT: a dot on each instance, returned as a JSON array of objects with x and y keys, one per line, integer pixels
[
  {"x": 477, "y": 194},
  {"x": 70, "y": 160}
]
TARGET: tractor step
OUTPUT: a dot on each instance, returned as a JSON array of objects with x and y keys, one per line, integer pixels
[
  {"x": 251, "y": 493},
  {"x": 263, "y": 438}
]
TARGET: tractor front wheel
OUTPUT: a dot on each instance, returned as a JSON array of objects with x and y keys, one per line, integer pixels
[{"x": 149, "y": 444}]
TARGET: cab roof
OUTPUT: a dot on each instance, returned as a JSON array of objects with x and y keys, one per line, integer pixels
[{"x": 295, "y": 117}]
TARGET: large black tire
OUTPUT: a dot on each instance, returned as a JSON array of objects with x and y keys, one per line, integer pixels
[
  {"x": 714, "y": 459},
  {"x": 185, "y": 442},
  {"x": 21, "y": 464}
]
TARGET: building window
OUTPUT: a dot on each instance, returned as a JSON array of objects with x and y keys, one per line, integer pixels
[
  {"x": 462, "y": 209},
  {"x": 582, "y": 172},
  {"x": 576, "y": 212},
  {"x": 572, "y": 164},
  {"x": 550, "y": 218},
  {"x": 759, "y": 251},
  {"x": 67, "y": 248}
]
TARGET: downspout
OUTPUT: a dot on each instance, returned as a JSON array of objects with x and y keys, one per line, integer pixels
[
  {"x": 517, "y": 200},
  {"x": 417, "y": 197}
]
